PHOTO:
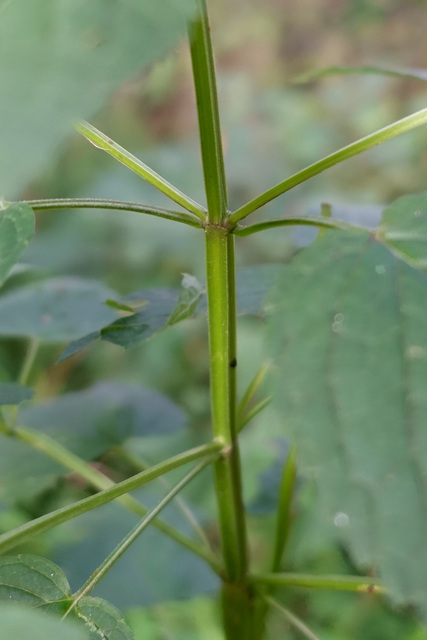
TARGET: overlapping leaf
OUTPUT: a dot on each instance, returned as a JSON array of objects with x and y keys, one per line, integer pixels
[
  {"x": 16, "y": 229},
  {"x": 61, "y": 63},
  {"x": 350, "y": 338},
  {"x": 161, "y": 308}
]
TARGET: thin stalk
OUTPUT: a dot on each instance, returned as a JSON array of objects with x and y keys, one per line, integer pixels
[
  {"x": 117, "y": 205},
  {"x": 327, "y": 582},
  {"x": 250, "y": 414},
  {"x": 373, "y": 139},
  {"x": 284, "y": 509},
  {"x": 101, "y": 141},
  {"x": 44, "y": 523},
  {"x": 292, "y": 619},
  {"x": 222, "y": 344},
  {"x": 253, "y": 387},
  {"x": 128, "y": 540},
  {"x": 321, "y": 223},
  {"x": 141, "y": 465},
  {"x": 208, "y": 114}
]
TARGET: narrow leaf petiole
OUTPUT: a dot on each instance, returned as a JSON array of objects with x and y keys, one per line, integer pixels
[
  {"x": 331, "y": 582},
  {"x": 116, "y": 205},
  {"x": 369, "y": 141},
  {"x": 101, "y": 141}
]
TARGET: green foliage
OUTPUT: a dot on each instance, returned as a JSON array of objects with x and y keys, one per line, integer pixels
[
  {"x": 16, "y": 229},
  {"x": 330, "y": 483},
  {"x": 39, "y": 584},
  {"x": 354, "y": 365},
  {"x": 62, "y": 64}
]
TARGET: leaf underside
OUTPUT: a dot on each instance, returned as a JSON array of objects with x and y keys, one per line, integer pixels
[
  {"x": 349, "y": 336},
  {"x": 16, "y": 229}
]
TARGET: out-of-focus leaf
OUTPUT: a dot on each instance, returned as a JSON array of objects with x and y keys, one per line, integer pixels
[
  {"x": 105, "y": 621},
  {"x": 35, "y": 582},
  {"x": 349, "y": 335},
  {"x": 88, "y": 423},
  {"x": 16, "y": 229},
  {"x": 13, "y": 393},
  {"x": 55, "y": 310},
  {"x": 164, "y": 307},
  {"x": 400, "y": 72},
  {"x": 155, "y": 570},
  {"x": 19, "y": 623},
  {"x": 404, "y": 229},
  {"x": 63, "y": 63}
]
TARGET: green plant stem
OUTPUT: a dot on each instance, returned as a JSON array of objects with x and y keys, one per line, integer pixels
[
  {"x": 130, "y": 538},
  {"x": 292, "y": 619},
  {"x": 327, "y": 582},
  {"x": 373, "y": 139},
  {"x": 117, "y": 205},
  {"x": 101, "y": 141},
  {"x": 141, "y": 465},
  {"x": 321, "y": 223},
  {"x": 222, "y": 328},
  {"x": 208, "y": 114},
  {"x": 110, "y": 492}
]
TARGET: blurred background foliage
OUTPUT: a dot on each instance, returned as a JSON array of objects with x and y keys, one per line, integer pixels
[{"x": 272, "y": 127}]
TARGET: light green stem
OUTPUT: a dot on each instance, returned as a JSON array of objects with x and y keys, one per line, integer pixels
[
  {"x": 331, "y": 582},
  {"x": 110, "y": 492},
  {"x": 116, "y": 205},
  {"x": 321, "y": 223},
  {"x": 387, "y": 133},
  {"x": 101, "y": 141},
  {"x": 133, "y": 535},
  {"x": 208, "y": 114}
]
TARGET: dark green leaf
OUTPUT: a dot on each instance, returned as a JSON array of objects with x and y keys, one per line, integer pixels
[
  {"x": 16, "y": 229},
  {"x": 164, "y": 307},
  {"x": 12, "y": 393},
  {"x": 55, "y": 310},
  {"x": 35, "y": 582},
  {"x": 19, "y": 623},
  {"x": 63, "y": 64},
  {"x": 105, "y": 621},
  {"x": 349, "y": 335}
]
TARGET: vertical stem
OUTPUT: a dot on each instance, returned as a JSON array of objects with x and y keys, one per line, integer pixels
[
  {"x": 221, "y": 294},
  {"x": 208, "y": 113},
  {"x": 222, "y": 342}
]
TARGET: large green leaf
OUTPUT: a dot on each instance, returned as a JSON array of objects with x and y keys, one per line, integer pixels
[
  {"x": 55, "y": 310},
  {"x": 161, "y": 308},
  {"x": 16, "y": 229},
  {"x": 19, "y": 623},
  {"x": 35, "y": 582},
  {"x": 61, "y": 60},
  {"x": 88, "y": 423},
  {"x": 38, "y": 583},
  {"x": 350, "y": 339}
]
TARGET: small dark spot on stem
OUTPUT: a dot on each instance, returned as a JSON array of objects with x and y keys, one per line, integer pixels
[{"x": 233, "y": 363}]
